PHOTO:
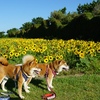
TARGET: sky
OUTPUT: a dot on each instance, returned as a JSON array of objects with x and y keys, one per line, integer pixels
[{"x": 14, "y": 13}]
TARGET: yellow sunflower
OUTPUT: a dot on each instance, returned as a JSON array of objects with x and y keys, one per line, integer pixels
[
  {"x": 33, "y": 49},
  {"x": 16, "y": 54},
  {"x": 44, "y": 48},
  {"x": 10, "y": 57},
  {"x": 57, "y": 57},
  {"x": 11, "y": 53},
  {"x": 23, "y": 52},
  {"x": 81, "y": 54},
  {"x": 41, "y": 51},
  {"x": 91, "y": 51},
  {"x": 50, "y": 58},
  {"x": 68, "y": 50},
  {"x": 5, "y": 56},
  {"x": 98, "y": 50},
  {"x": 61, "y": 57},
  {"x": 26, "y": 48},
  {"x": 46, "y": 60}
]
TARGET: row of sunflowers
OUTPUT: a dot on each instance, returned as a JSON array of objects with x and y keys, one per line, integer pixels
[{"x": 45, "y": 51}]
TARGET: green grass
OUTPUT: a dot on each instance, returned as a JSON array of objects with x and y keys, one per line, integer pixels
[{"x": 71, "y": 87}]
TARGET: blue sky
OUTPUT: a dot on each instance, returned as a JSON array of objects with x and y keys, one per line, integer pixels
[{"x": 14, "y": 13}]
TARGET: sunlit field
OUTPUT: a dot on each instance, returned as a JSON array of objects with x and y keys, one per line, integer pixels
[
  {"x": 81, "y": 82},
  {"x": 84, "y": 55}
]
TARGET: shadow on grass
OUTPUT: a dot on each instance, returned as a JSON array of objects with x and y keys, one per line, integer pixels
[
  {"x": 12, "y": 87},
  {"x": 15, "y": 99},
  {"x": 39, "y": 83}
]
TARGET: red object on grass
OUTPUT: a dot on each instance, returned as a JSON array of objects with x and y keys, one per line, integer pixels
[{"x": 49, "y": 96}]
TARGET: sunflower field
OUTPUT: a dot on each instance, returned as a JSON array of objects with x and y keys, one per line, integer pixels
[{"x": 81, "y": 55}]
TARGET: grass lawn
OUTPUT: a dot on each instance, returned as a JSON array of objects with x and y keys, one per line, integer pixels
[{"x": 85, "y": 87}]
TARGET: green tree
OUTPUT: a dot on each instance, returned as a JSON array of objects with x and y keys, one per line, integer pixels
[
  {"x": 88, "y": 7},
  {"x": 63, "y": 10},
  {"x": 2, "y": 34},
  {"x": 13, "y": 32},
  {"x": 58, "y": 15},
  {"x": 96, "y": 10},
  {"x": 37, "y": 20},
  {"x": 26, "y": 26},
  {"x": 69, "y": 17}
]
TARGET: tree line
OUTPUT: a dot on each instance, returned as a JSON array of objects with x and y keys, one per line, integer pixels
[{"x": 83, "y": 24}]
